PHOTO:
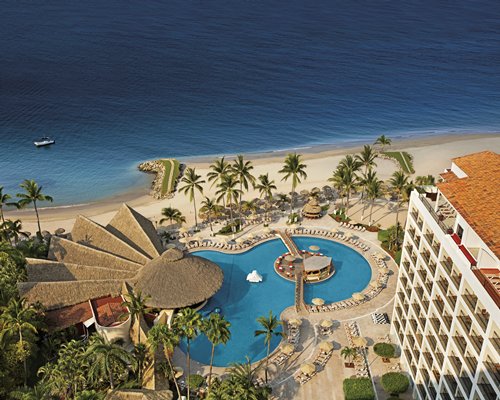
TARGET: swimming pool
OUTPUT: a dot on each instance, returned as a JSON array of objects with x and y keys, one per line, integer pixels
[{"x": 242, "y": 302}]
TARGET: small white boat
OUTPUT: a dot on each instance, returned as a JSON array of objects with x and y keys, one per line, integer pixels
[{"x": 45, "y": 141}]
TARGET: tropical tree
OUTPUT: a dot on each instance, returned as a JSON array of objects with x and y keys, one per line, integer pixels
[
  {"x": 349, "y": 353},
  {"x": 351, "y": 163},
  {"x": 367, "y": 158},
  {"x": 250, "y": 206},
  {"x": 295, "y": 169},
  {"x": 228, "y": 190},
  {"x": 270, "y": 325},
  {"x": 172, "y": 214},
  {"x": 106, "y": 358},
  {"x": 33, "y": 194},
  {"x": 38, "y": 392},
  {"x": 20, "y": 324},
  {"x": 192, "y": 183},
  {"x": 209, "y": 208},
  {"x": 137, "y": 306},
  {"x": 4, "y": 201},
  {"x": 364, "y": 180},
  {"x": 398, "y": 182},
  {"x": 374, "y": 190},
  {"x": 426, "y": 180},
  {"x": 383, "y": 141},
  {"x": 162, "y": 335},
  {"x": 33, "y": 248},
  {"x": 140, "y": 353},
  {"x": 188, "y": 324},
  {"x": 344, "y": 179},
  {"x": 11, "y": 231},
  {"x": 219, "y": 168},
  {"x": 265, "y": 188},
  {"x": 216, "y": 329},
  {"x": 241, "y": 170}
]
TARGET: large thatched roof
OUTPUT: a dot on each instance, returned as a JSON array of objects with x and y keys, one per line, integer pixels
[
  {"x": 189, "y": 279},
  {"x": 312, "y": 209},
  {"x": 99, "y": 260}
]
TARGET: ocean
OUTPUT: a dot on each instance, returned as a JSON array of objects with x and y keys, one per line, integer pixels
[{"x": 119, "y": 82}]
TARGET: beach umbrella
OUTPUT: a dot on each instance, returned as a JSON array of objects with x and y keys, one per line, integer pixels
[
  {"x": 295, "y": 322},
  {"x": 59, "y": 231},
  {"x": 267, "y": 230},
  {"x": 178, "y": 372},
  {"x": 380, "y": 256},
  {"x": 326, "y": 323},
  {"x": 326, "y": 346},
  {"x": 374, "y": 284},
  {"x": 46, "y": 234},
  {"x": 383, "y": 269},
  {"x": 293, "y": 226},
  {"x": 315, "y": 190},
  {"x": 318, "y": 302},
  {"x": 183, "y": 230},
  {"x": 308, "y": 369},
  {"x": 288, "y": 348},
  {"x": 358, "y": 296},
  {"x": 359, "y": 341},
  {"x": 334, "y": 230},
  {"x": 239, "y": 240},
  {"x": 314, "y": 247},
  {"x": 170, "y": 246},
  {"x": 193, "y": 239},
  {"x": 184, "y": 240},
  {"x": 250, "y": 236},
  {"x": 290, "y": 258},
  {"x": 348, "y": 235},
  {"x": 304, "y": 192}
]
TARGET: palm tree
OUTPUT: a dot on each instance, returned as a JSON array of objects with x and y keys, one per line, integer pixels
[
  {"x": 348, "y": 180},
  {"x": 32, "y": 195},
  {"x": 104, "y": 357},
  {"x": 425, "y": 180},
  {"x": 399, "y": 182},
  {"x": 140, "y": 355},
  {"x": 19, "y": 320},
  {"x": 383, "y": 141},
  {"x": 4, "y": 201},
  {"x": 365, "y": 180},
  {"x": 193, "y": 183},
  {"x": 172, "y": 214},
  {"x": 209, "y": 208},
  {"x": 349, "y": 353},
  {"x": 367, "y": 157},
  {"x": 228, "y": 190},
  {"x": 219, "y": 169},
  {"x": 216, "y": 329},
  {"x": 350, "y": 162},
  {"x": 12, "y": 230},
  {"x": 136, "y": 305},
  {"x": 161, "y": 334},
  {"x": 250, "y": 206},
  {"x": 241, "y": 169},
  {"x": 294, "y": 168},
  {"x": 188, "y": 322},
  {"x": 266, "y": 187},
  {"x": 270, "y": 325},
  {"x": 373, "y": 192}
]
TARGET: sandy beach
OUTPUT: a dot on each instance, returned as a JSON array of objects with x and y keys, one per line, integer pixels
[{"x": 431, "y": 155}]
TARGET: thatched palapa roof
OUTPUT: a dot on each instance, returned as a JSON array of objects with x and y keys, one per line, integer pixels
[
  {"x": 99, "y": 260},
  {"x": 312, "y": 209},
  {"x": 190, "y": 280}
]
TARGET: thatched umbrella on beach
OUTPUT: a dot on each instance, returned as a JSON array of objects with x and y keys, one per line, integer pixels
[
  {"x": 358, "y": 296},
  {"x": 288, "y": 348},
  {"x": 59, "y": 231},
  {"x": 326, "y": 323},
  {"x": 308, "y": 369},
  {"x": 318, "y": 301},
  {"x": 312, "y": 209},
  {"x": 326, "y": 346},
  {"x": 374, "y": 284},
  {"x": 359, "y": 341},
  {"x": 295, "y": 322}
]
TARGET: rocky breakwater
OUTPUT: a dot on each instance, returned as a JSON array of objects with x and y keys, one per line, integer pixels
[{"x": 158, "y": 168}]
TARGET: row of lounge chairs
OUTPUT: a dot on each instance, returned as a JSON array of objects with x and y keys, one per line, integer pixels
[
  {"x": 360, "y": 362},
  {"x": 293, "y": 334},
  {"x": 229, "y": 246},
  {"x": 322, "y": 358},
  {"x": 333, "y": 235},
  {"x": 302, "y": 378},
  {"x": 354, "y": 227}
]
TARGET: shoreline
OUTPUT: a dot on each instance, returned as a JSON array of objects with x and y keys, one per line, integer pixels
[{"x": 264, "y": 161}]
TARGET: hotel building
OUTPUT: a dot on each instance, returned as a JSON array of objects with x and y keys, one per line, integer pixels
[{"x": 446, "y": 314}]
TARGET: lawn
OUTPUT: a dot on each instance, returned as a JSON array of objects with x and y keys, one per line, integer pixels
[
  {"x": 403, "y": 158},
  {"x": 170, "y": 177}
]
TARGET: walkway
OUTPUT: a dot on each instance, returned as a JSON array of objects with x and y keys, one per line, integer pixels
[{"x": 289, "y": 243}]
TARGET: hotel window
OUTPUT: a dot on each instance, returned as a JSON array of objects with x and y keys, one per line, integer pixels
[{"x": 460, "y": 231}]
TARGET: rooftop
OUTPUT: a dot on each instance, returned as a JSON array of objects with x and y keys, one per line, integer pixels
[{"x": 476, "y": 195}]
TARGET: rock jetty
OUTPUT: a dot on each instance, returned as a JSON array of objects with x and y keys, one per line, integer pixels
[{"x": 157, "y": 167}]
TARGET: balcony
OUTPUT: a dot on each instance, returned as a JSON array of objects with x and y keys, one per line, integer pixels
[
  {"x": 439, "y": 358},
  {"x": 466, "y": 384},
  {"x": 483, "y": 318},
  {"x": 428, "y": 358},
  {"x": 419, "y": 291},
  {"x": 408, "y": 355},
  {"x": 439, "y": 304},
  {"x": 447, "y": 321},
  {"x": 425, "y": 305},
  {"x": 471, "y": 364},
  {"x": 477, "y": 343},
  {"x": 434, "y": 215},
  {"x": 452, "y": 300},
  {"x": 443, "y": 339},
  {"x": 422, "y": 274},
  {"x": 443, "y": 284},
  {"x": 487, "y": 391},
  {"x": 460, "y": 343},
  {"x": 465, "y": 322},
  {"x": 445, "y": 395},
  {"x": 447, "y": 264},
  {"x": 456, "y": 279},
  {"x": 471, "y": 301},
  {"x": 427, "y": 257},
  {"x": 493, "y": 370},
  {"x": 456, "y": 364},
  {"x": 432, "y": 341},
  {"x": 419, "y": 338},
  {"x": 452, "y": 383},
  {"x": 432, "y": 391},
  {"x": 406, "y": 266},
  {"x": 428, "y": 286},
  {"x": 432, "y": 268},
  {"x": 435, "y": 324}
]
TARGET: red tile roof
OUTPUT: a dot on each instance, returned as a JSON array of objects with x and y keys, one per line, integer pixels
[
  {"x": 476, "y": 197},
  {"x": 68, "y": 316}
]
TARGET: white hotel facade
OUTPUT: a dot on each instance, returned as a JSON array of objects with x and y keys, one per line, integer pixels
[{"x": 446, "y": 314}]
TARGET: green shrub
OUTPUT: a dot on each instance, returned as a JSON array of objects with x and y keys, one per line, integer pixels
[
  {"x": 195, "y": 381},
  {"x": 228, "y": 229},
  {"x": 358, "y": 389},
  {"x": 385, "y": 350},
  {"x": 395, "y": 382}
]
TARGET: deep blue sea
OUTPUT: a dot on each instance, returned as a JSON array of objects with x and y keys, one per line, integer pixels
[{"x": 118, "y": 82}]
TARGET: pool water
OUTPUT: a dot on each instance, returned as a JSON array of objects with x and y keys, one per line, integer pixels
[{"x": 242, "y": 302}]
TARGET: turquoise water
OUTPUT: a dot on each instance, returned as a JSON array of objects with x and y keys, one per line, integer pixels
[{"x": 242, "y": 302}]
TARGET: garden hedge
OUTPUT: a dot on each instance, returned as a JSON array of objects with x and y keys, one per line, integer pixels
[
  {"x": 395, "y": 382},
  {"x": 385, "y": 350},
  {"x": 358, "y": 389}
]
